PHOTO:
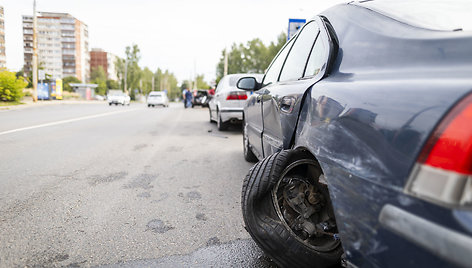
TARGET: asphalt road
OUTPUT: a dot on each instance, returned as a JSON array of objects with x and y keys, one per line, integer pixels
[{"x": 93, "y": 185}]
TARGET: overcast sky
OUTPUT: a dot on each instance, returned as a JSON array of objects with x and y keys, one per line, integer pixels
[{"x": 177, "y": 35}]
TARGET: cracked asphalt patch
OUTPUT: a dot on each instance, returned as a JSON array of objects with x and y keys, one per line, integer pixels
[
  {"x": 99, "y": 179},
  {"x": 201, "y": 217},
  {"x": 158, "y": 226},
  {"x": 141, "y": 181},
  {"x": 193, "y": 195},
  {"x": 139, "y": 147}
]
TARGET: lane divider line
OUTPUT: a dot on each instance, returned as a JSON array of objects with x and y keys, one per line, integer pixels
[{"x": 65, "y": 121}]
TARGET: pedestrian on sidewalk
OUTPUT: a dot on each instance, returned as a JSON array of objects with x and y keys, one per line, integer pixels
[{"x": 183, "y": 97}]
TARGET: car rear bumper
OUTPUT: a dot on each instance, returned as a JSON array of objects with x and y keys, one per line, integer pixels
[
  {"x": 231, "y": 114},
  {"x": 156, "y": 103}
]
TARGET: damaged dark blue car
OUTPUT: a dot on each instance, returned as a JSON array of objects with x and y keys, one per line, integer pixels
[{"x": 362, "y": 127}]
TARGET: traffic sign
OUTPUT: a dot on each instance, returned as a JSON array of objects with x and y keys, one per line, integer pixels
[
  {"x": 293, "y": 26},
  {"x": 41, "y": 74}
]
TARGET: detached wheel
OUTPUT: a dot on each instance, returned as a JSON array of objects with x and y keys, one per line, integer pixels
[
  {"x": 219, "y": 123},
  {"x": 287, "y": 210},
  {"x": 248, "y": 154}
]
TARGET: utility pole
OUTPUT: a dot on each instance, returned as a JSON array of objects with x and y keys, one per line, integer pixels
[
  {"x": 126, "y": 75},
  {"x": 225, "y": 70},
  {"x": 35, "y": 54}
]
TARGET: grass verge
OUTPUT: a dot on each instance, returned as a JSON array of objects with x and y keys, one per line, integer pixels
[{"x": 10, "y": 103}]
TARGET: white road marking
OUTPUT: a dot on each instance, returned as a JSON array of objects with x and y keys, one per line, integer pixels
[{"x": 65, "y": 121}]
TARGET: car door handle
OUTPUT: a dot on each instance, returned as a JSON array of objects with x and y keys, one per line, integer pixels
[{"x": 287, "y": 103}]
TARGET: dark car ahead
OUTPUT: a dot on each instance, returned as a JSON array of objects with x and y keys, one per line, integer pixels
[
  {"x": 201, "y": 98},
  {"x": 363, "y": 128}
]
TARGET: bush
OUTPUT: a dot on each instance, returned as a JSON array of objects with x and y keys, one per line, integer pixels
[
  {"x": 11, "y": 88},
  {"x": 67, "y": 80}
]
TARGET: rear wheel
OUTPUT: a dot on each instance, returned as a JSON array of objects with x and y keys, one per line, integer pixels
[
  {"x": 248, "y": 154},
  {"x": 220, "y": 124},
  {"x": 288, "y": 212}
]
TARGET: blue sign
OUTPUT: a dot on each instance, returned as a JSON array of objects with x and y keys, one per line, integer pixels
[
  {"x": 293, "y": 26},
  {"x": 43, "y": 91}
]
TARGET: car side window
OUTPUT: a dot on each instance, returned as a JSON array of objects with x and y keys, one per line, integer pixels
[
  {"x": 317, "y": 59},
  {"x": 296, "y": 60},
  {"x": 272, "y": 74}
]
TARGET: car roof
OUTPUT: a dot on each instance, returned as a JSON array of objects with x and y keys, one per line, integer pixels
[{"x": 441, "y": 15}]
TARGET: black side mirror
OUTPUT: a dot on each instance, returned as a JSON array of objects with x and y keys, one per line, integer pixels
[{"x": 247, "y": 83}]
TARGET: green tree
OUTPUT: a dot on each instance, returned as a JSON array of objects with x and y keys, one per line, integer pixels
[
  {"x": 165, "y": 80},
  {"x": 235, "y": 61},
  {"x": 99, "y": 77},
  {"x": 11, "y": 87},
  {"x": 146, "y": 81},
  {"x": 112, "y": 84},
  {"x": 201, "y": 84},
  {"x": 134, "y": 73},
  {"x": 254, "y": 57},
  {"x": 67, "y": 80},
  {"x": 274, "y": 48},
  {"x": 120, "y": 71}
]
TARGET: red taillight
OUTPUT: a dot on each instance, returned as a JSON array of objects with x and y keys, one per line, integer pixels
[
  {"x": 450, "y": 146},
  {"x": 236, "y": 95}
]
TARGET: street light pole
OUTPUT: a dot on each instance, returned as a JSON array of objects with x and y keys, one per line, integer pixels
[
  {"x": 225, "y": 70},
  {"x": 35, "y": 55}
]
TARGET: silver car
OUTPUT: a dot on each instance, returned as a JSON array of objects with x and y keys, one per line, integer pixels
[{"x": 226, "y": 107}]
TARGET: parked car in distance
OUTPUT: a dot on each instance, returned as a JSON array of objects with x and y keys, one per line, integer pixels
[
  {"x": 226, "y": 106},
  {"x": 363, "y": 125},
  {"x": 116, "y": 96},
  {"x": 156, "y": 98},
  {"x": 202, "y": 98},
  {"x": 100, "y": 97}
]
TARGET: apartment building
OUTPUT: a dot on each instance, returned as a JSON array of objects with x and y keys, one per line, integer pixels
[
  {"x": 62, "y": 45},
  {"x": 3, "y": 58},
  {"x": 99, "y": 57}
]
